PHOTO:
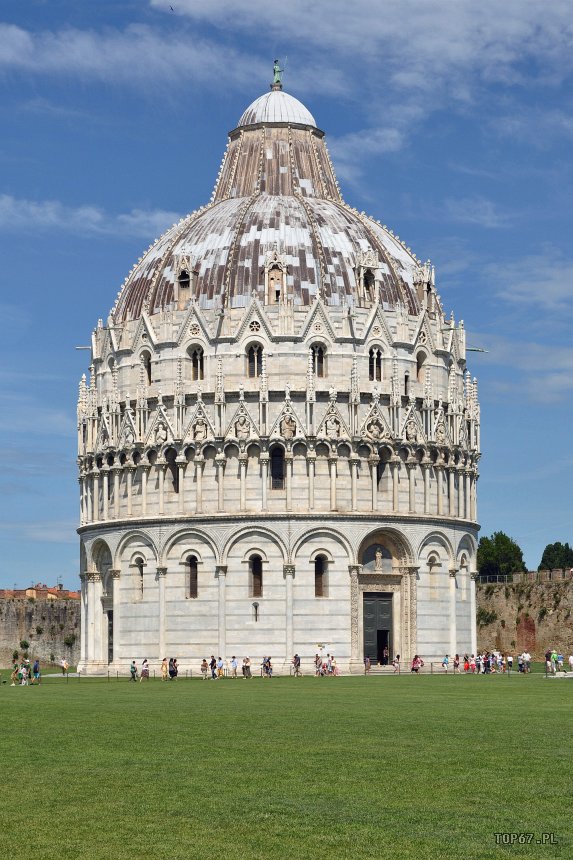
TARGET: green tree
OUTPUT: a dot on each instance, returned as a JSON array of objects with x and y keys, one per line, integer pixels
[
  {"x": 499, "y": 555},
  {"x": 556, "y": 556}
]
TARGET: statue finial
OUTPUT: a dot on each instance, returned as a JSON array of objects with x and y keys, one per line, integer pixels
[{"x": 277, "y": 80}]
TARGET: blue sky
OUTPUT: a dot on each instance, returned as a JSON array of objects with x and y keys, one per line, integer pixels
[{"x": 450, "y": 120}]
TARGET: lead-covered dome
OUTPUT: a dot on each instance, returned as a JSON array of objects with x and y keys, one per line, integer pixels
[{"x": 276, "y": 192}]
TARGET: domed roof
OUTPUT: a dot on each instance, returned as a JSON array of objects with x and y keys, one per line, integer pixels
[
  {"x": 276, "y": 194},
  {"x": 276, "y": 106}
]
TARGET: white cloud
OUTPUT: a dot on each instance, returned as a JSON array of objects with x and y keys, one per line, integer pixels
[{"x": 21, "y": 214}]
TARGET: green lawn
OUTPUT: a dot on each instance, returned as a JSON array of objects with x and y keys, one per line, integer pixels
[{"x": 380, "y": 767}]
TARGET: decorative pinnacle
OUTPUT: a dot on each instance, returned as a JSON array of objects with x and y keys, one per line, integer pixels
[{"x": 277, "y": 83}]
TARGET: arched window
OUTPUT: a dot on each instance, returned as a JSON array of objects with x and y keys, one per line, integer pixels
[
  {"x": 320, "y": 576},
  {"x": 375, "y": 364},
  {"x": 146, "y": 362},
  {"x": 139, "y": 565},
  {"x": 184, "y": 279},
  {"x": 254, "y": 360},
  {"x": 420, "y": 359},
  {"x": 369, "y": 284},
  {"x": 318, "y": 353},
  {"x": 171, "y": 456},
  {"x": 197, "y": 367},
  {"x": 276, "y": 281},
  {"x": 406, "y": 385},
  {"x": 191, "y": 576},
  {"x": 256, "y": 575},
  {"x": 277, "y": 468}
]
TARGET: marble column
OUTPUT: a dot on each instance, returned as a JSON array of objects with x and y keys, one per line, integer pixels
[
  {"x": 411, "y": 487},
  {"x": 373, "y": 466},
  {"x": 83, "y": 618},
  {"x": 451, "y": 491},
  {"x": 144, "y": 476},
  {"x": 288, "y": 467},
  {"x": 354, "y": 461},
  {"x": 426, "y": 470},
  {"x": 243, "y": 479},
  {"x": 199, "y": 462},
  {"x": 161, "y": 573},
  {"x": 92, "y": 577},
  {"x": 105, "y": 493},
  {"x": 117, "y": 470},
  {"x": 311, "y": 460},
  {"x": 288, "y": 573},
  {"x": 221, "y": 574},
  {"x": 161, "y": 495},
  {"x": 461, "y": 491},
  {"x": 355, "y": 657},
  {"x": 440, "y": 480},
  {"x": 264, "y": 480},
  {"x": 473, "y": 622},
  {"x": 332, "y": 461},
  {"x": 116, "y": 615},
  {"x": 181, "y": 468},
  {"x": 220, "y": 466},
  {"x": 394, "y": 465},
  {"x": 453, "y": 631},
  {"x": 129, "y": 489},
  {"x": 468, "y": 483},
  {"x": 96, "y": 497}
]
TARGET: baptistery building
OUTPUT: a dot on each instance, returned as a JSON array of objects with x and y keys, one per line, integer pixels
[{"x": 279, "y": 438}]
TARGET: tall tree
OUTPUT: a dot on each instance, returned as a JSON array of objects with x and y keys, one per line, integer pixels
[
  {"x": 556, "y": 556},
  {"x": 499, "y": 555}
]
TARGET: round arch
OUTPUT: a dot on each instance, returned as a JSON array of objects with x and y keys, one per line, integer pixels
[
  {"x": 392, "y": 540},
  {"x": 323, "y": 531},
  {"x": 145, "y": 540},
  {"x": 433, "y": 539},
  {"x": 251, "y": 534},
  {"x": 189, "y": 537}
]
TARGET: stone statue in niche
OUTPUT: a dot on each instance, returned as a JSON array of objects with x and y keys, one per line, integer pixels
[
  {"x": 160, "y": 434},
  {"x": 129, "y": 437},
  {"x": 200, "y": 430},
  {"x": 374, "y": 429},
  {"x": 288, "y": 427},
  {"x": 242, "y": 427},
  {"x": 440, "y": 434},
  {"x": 411, "y": 431},
  {"x": 332, "y": 426},
  {"x": 378, "y": 559}
]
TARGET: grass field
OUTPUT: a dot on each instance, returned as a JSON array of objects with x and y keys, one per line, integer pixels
[{"x": 352, "y": 767}]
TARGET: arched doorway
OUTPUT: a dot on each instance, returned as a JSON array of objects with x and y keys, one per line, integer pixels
[{"x": 384, "y": 601}]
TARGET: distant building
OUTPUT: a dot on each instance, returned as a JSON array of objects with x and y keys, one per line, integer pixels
[
  {"x": 40, "y": 591},
  {"x": 279, "y": 438}
]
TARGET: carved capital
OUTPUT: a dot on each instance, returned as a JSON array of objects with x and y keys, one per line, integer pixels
[
  {"x": 93, "y": 576},
  {"x": 161, "y": 571},
  {"x": 221, "y": 571},
  {"x": 288, "y": 570},
  {"x": 453, "y": 572},
  {"x": 115, "y": 573},
  {"x": 354, "y": 570}
]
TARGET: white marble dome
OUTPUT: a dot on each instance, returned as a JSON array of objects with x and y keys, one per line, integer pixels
[
  {"x": 278, "y": 442},
  {"x": 276, "y": 106}
]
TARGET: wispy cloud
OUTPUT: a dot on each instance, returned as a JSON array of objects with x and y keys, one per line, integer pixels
[
  {"x": 44, "y": 532},
  {"x": 21, "y": 214},
  {"x": 476, "y": 210},
  {"x": 542, "y": 281}
]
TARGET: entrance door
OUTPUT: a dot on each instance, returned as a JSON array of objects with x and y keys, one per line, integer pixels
[{"x": 377, "y": 609}]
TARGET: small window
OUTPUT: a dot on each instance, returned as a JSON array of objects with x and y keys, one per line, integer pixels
[
  {"x": 420, "y": 359},
  {"x": 146, "y": 362},
  {"x": 375, "y": 365},
  {"x": 320, "y": 583},
  {"x": 256, "y": 573},
  {"x": 406, "y": 385},
  {"x": 192, "y": 577},
  {"x": 197, "y": 366},
  {"x": 171, "y": 456},
  {"x": 139, "y": 564},
  {"x": 277, "y": 469},
  {"x": 254, "y": 360},
  {"x": 318, "y": 360}
]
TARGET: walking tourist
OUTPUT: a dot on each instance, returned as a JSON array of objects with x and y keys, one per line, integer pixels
[
  {"x": 220, "y": 668},
  {"x": 417, "y": 664},
  {"x": 445, "y": 662},
  {"x": 36, "y": 671},
  {"x": 204, "y": 668},
  {"x": 296, "y": 665},
  {"x": 509, "y": 663},
  {"x": 133, "y": 671},
  {"x": 234, "y": 665},
  {"x": 164, "y": 669},
  {"x": 213, "y": 667},
  {"x": 144, "y": 676},
  {"x": 396, "y": 664}
]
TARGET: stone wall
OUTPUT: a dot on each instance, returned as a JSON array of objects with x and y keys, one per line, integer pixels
[
  {"x": 529, "y": 616},
  {"x": 44, "y": 624}
]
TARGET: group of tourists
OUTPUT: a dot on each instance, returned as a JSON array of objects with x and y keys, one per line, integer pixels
[
  {"x": 322, "y": 665},
  {"x": 23, "y": 674},
  {"x": 216, "y": 668},
  {"x": 554, "y": 662}
]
